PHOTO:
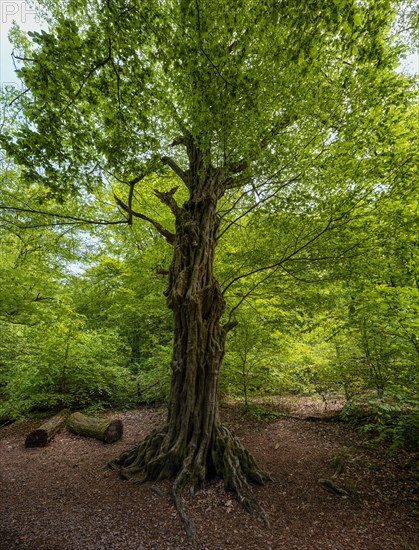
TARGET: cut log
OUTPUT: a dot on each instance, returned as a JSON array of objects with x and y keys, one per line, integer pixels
[
  {"x": 43, "y": 435},
  {"x": 106, "y": 430}
]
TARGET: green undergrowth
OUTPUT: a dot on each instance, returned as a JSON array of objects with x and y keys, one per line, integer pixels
[
  {"x": 393, "y": 419},
  {"x": 262, "y": 413}
]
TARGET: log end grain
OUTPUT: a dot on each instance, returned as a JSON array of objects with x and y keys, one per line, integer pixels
[
  {"x": 114, "y": 431},
  {"x": 37, "y": 438},
  {"x": 43, "y": 435}
]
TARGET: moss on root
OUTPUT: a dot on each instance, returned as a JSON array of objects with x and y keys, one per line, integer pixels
[{"x": 236, "y": 466}]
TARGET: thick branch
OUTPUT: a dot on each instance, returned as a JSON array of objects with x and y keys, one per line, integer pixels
[
  {"x": 168, "y": 235},
  {"x": 180, "y": 140},
  {"x": 177, "y": 170},
  {"x": 169, "y": 200},
  {"x": 132, "y": 184},
  {"x": 229, "y": 326},
  {"x": 238, "y": 167}
]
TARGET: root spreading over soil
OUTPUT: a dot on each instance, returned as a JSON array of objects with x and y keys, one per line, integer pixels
[
  {"x": 229, "y": 460},
  {"x": 63, "y": 496}
]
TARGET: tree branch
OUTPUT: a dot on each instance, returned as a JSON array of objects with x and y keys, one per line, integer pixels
[
  {"x": 244, "y": 164},
  {"x": 177, "y": 170},
  {"x": 130, "y": 195},
  {"x": 18, "y": 96},
  {"x": 168, "y": 235},
  {"x": 238, "y": 167},
  {"x": 180, "y": 140},
  {"x": 62, "y": 216},
  {"x": 169, "y": 200},
  {"x": 284, "y": 259},
  {"x": 242, "y": 299},
  {"x": 229, "y": 326},
  {"x": 19, "y": 58},
  {"x": 101, "y": 63},
  {"x": 257, "y": 204}
]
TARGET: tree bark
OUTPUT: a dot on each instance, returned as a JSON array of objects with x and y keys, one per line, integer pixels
[
  {"x": 43, "y": 435},
  {"x": 106, "y": 430},
  {"x": 193, "y": 445}
]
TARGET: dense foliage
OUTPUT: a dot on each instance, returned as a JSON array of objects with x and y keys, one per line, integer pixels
[
  {"x": 84, "y": 325},
  {"x": 317, "y": 255}
]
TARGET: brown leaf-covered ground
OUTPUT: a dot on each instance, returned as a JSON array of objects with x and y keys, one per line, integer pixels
[{"x": 63, "y": 497}]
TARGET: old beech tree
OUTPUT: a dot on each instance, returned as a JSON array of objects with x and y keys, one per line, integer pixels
[{"x": 240, "y": 100}]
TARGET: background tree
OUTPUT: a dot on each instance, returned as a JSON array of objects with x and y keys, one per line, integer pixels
[
  {"x": 50, "y": 357},
  {"x": 122, "y": 290}
]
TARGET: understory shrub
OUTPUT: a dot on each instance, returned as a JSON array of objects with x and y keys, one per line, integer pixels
[
  {"x": 392, "y": 418},
  {"x": 58, "y": 366}
]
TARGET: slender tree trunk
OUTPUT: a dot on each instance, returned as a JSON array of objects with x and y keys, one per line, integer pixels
[{"x": 193, "y": 445}]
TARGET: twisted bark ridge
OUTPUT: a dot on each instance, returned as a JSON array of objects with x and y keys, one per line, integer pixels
[{"x": 193, "y": 445}]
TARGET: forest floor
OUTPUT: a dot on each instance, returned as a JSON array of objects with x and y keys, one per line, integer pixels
[{"x": 63, "y": 497}]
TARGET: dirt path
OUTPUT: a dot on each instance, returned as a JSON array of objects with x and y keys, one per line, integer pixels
[{"x": 63, "y": 497}]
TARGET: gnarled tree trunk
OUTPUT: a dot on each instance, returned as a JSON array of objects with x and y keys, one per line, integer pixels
[{"x": 193, "y": 445}]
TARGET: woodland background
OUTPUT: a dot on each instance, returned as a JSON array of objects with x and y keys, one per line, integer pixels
[{"x": 83, "y": 323}]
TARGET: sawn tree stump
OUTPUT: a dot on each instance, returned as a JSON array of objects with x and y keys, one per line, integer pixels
[
  {"x": 43, "y": 435},
  {"x": 99, "y": 428}
]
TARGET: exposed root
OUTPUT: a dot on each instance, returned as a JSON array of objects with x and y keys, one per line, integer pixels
[
  {"x": 236, "y": 466},
  {"x": 331, "y": 487},
  {"x": 148, "y": 460},
  {"x": 158, "y": 491},
  {"x": 177, "y": 491},
  {"x": 152, "y": 460}
]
